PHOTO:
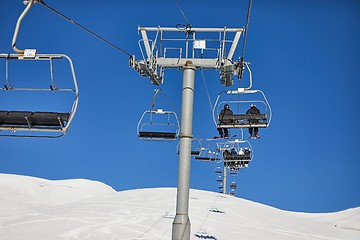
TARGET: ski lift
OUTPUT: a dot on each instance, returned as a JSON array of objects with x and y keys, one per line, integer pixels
[
  {"x": 234, "y": 170},
  {"x": 209, "y": 151},
  {"x": 219, "y": 179},
  {"x": 158, "y": 125},
  {"x": 236, "y": 153},
  {"x": 36, "y": 122},
  {"x": 195, "y": 147},
  {"x": 233, "y": 185},
  {"x": 218, "y": 170},
  {"x": 239, "y": 101},
  {"x": 232, "y": 192},
  {"x": 207, "y": 154}
]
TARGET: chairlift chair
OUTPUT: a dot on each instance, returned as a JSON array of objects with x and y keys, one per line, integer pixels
[
  {"x": 219, "y": 179},
  {"x": 233, "y": 185},
  {"x": 158, "y": 125},
  {"x": 209, "y": 150},
  {"x": 236, "y": 153},
  {"x": 207, "y": 154},
  {"x": 234, "y": 170},
  {"x": 38, "y": 122},
  {"x": 218, "y": 170},
  {"x": 239, "y": 101}
]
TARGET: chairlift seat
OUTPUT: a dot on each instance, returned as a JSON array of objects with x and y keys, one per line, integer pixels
[
  {"x": 25, "y": 119},
  {"x": 207, "y": 158},
  {"x": 15, "y": 118},
  {"x": 245, "y": 121},
  {"x": 50, "y": 118},
  {"x": 157, "y": 135}
]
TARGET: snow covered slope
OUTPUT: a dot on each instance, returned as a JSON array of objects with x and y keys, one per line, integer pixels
[
  {"x": 22, "y": 194},
  {"x": 79, "y": 209}
]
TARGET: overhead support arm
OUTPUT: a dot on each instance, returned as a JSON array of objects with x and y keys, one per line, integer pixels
[
  {"x": 234, "y": 44},
  {"x": 146, "y": 43},
  {"x": 17, "y": 27}
]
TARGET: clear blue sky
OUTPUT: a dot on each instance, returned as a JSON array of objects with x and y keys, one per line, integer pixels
[{"x": 304, "y": 55}]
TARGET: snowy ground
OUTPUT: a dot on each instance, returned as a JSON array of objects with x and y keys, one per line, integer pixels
[{"x": 39, "y": 209}]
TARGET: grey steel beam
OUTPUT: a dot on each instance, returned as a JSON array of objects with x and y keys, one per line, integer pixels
[{"x": 174, "y": 29}]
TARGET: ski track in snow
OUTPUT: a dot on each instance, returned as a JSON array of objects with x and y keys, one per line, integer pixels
[{"x": 148, "y": 214}]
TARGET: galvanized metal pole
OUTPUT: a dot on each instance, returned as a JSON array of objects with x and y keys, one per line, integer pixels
[{"x": 181, "y": 224}]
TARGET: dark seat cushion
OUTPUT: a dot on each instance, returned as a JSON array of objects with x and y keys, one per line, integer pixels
[
  {"x": 158, "y": 135},
  {"x": 19, "y": 118},
  {"x": 50, "y": 118}
]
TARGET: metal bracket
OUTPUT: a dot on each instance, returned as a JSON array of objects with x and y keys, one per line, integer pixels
[{"x": 206, "y": 41}]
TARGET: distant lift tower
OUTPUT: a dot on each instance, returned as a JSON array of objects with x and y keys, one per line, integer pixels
[{"x": 187, "y": 48}]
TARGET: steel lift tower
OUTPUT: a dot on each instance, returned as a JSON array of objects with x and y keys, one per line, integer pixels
[{"x": 187, "y": 48}]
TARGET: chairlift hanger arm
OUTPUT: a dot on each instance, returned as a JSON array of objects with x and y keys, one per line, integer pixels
[
  {"x": 30, "y": 2},
  {"x": 18, "y": 23}
]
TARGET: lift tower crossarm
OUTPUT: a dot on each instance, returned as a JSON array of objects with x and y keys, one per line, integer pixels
[
  {"x": 174, "y": 29},
  {"x": 206, "y": 48}
]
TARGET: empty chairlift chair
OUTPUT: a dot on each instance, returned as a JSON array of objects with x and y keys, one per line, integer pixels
[
  {"x": 206, "y": 154},
  {"x": 218, "y": 170},
  {"x": 209, "y": 151},
  {"x": 27, "y": 120},
  {"x": 37, "y": 121},
  {"x": 158, "y": 125}
]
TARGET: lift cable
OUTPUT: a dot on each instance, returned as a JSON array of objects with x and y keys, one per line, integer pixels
[
  {"x": 243, "y": 49},
  {"x": 168, "y": 99},
  {"x": 245, "y": 36},
  {"x": 182, "y": 12},
  {"x": 84, "y": 28},
  {"x": 207, "y": 90},
  {"x": 246, "y": 30}
]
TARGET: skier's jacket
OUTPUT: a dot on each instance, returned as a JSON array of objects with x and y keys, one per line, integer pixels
[
  {"x": 225, "y": 112},
  {"x": 253, "y": 110}
]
